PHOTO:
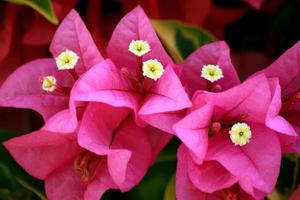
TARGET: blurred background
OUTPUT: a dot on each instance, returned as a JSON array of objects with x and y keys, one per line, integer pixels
[{"x": 256, "y": 31}]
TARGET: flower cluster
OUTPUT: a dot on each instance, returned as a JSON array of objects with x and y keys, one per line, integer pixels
[{"x": 106, "y": 120}]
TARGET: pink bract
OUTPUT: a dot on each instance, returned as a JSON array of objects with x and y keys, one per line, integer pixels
[
  {"x": 121, "y": 159},
  {"x": 287, "y": 70},
  {"x": 214, "y": 162},
  {"x": 116, "y": 82},
  {"x": 216, "y": 53},
  {"x": 22, "y": 89},
  {"x": 186, "y": 190},
  {"x": 105, "y": 148}
]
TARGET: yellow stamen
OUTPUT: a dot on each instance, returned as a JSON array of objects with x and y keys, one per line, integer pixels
[
  {"x": 211, "y": 73},
  {"x": 66, "y": 60},
  {"x": 153, "y": 69},
  {"x": 240, "y": 134},
  {"x": 139, "y": 47},
  {"x": 49, "y": 83}
]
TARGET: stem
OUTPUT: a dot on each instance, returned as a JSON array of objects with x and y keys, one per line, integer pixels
[
  {"x": 139, "y": 68},
  {"x": 62, "y": 90},
  {"x": 30, "y": 188},
  {"x": 73, "y": 73},
  {"x": 147, "y": 84},
  {"x": 209, "y": 85}
]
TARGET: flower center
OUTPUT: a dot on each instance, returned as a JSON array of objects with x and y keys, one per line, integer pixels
[
  {"x": 66, "y": 60},
  {"x": 153, "y": 69},
  {"x": 211, "y": 73},
  {"x": 240, "y": 134},
  {"x": 85, "y": 165},
  {"x": 48, "y": 83},
  {"x": 139, "y": 47}
]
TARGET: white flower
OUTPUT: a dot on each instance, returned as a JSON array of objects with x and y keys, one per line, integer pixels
[
  {"x": 153, "y": 69},
  {"x": 211, "y": 73},
  {"x": 49, "y": 83},
  {"x": 66, "y": 60},
  {"x": 240, "y": 134},
  {"x": 139, "y": 47}
]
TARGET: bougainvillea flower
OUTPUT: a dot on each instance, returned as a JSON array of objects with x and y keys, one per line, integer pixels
[
  {"x": 140, "y": 75},
  {"x": 226, "y": 136},
  {"x": 121, "y": 159},
  {"x": 186, "y": 190},
  {"x": 25, "y": 87},
  {"x": 215, "y": 54},
  {"x": 96, "y": 135},
  {"x": 287, "y": 69},
  {"x": 105, "y": 131},
  {"x": 23, "y": 45}
]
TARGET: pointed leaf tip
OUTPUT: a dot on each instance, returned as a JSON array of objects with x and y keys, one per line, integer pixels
[{"x": 44, "y": 7}]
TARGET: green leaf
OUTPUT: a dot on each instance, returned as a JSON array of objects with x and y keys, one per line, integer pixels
[
  {"x": 31, "y": 188},
  {"x": 181, "y": 39},
  {"x": 44, "y": 7},
  {"x": 170, "y": 193},
  {"x": 7, "y": 178},
  {"x": 5, "y": 195},
  {"x": 288, "y": 179},
  {"x": 14, "y": 181}
]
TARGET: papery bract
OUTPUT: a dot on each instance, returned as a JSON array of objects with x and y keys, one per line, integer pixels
[
  {"x": 73, "y": 35},
  {"x": 287, "y": 70},
  {"x": 22, "y": 89},
  {"x": 135, "y": 26},
  {"x": 216, "y": 53},
  {"x": 104, "y": 135},
  {"x": 121, "y": 159},
  {"x": 52, "y": 156},
  {"x": 255, "y": 166},
  {"x": 121, "y": 84},
  {"x": 186, "y": 190}
]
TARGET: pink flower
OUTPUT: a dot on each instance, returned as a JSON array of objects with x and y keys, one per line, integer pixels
[
  {"x": 228, "y": 141},
  {"x": 127, "y": 80},
  {"x": 186, "y": 190},
  {"x": 287, "y": 95},
  {"x": 106, "y": 148},
  {"x": 217, "y": 54},
  {"x": 23, "y": 88},
  {"x": 122, "y": 158}
]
